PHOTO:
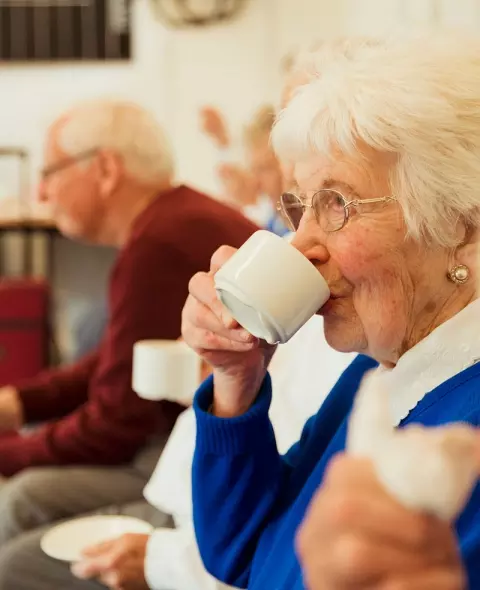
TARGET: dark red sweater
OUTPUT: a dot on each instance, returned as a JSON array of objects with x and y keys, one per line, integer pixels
[{"x": 93, "y": 415}]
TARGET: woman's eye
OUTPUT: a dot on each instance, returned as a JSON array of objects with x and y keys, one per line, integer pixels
[{"x": 335, "y": 202}]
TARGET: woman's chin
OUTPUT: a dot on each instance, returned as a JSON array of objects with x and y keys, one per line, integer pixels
[{"x": 341, "y": 334}]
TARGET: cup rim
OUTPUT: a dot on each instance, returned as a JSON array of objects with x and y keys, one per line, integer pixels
[
  {"x": 307, "y": 266},
  {"x": 234, "y": 289}
]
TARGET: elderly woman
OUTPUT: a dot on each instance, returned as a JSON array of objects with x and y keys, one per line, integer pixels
[{"x": 385, "y": 144}]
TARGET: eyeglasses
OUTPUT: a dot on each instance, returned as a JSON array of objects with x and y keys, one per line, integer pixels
[
  {"x": 66, "y": 163},
  {"x": 330, "y": 207}
]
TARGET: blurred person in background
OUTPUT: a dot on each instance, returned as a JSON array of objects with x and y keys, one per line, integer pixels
[
  {"x": 169, "y": 559},
  {"x": 254, "y": 188},
  {"x": 108, "y": 177}
]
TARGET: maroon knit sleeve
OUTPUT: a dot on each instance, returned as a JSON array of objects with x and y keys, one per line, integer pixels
[{"x": 57, "y": 392}]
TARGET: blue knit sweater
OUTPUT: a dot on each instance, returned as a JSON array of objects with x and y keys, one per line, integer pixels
[{"x": 249, "y": 500}]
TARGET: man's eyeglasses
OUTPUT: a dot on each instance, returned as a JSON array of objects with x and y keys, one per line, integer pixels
[
  {"x": 66, "y": 163},
  {"x": 330, "y": 207}
]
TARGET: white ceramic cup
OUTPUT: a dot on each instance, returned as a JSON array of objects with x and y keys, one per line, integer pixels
[
  {"x": 165, "y": 370},
  {"x": 270, "y": 288}
]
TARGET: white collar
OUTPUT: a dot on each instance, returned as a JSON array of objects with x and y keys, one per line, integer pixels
[{"x": 448, "y": 350}]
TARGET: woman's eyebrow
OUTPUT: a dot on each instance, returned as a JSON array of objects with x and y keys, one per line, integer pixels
[{"x": 335, "y": 183}]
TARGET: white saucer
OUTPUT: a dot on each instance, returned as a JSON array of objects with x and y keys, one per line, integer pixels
[{"x": 68, "y": 540}]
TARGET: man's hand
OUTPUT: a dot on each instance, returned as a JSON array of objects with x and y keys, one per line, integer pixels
[
  {"x": 239, "y": 186},
  {"x": 119, "y": 564},
  {"x": 355, "y": 536},
  {"x": 11, "y": 410},
  {"x": 213, "y": 125}
]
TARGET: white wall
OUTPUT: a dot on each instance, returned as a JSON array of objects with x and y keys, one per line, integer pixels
[
  {"x": 377, "y": 17},
  {"x": 231, "y": 66},
  {"x": 235, "y": 66},
  {"x": 460, "y": 13}
]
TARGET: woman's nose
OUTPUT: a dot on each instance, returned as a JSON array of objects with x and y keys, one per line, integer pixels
[{"x": 310, "y": 244}]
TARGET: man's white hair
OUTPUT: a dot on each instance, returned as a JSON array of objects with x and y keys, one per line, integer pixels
[
  {"x": 123, "y": 127},
  {"x": 417, "y": 98}
]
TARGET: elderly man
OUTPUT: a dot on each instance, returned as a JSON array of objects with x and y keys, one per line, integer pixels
[{"x": 109, "y": 178}]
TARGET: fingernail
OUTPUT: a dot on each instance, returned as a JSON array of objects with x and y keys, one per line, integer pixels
[{"x": 244, "y": 335}]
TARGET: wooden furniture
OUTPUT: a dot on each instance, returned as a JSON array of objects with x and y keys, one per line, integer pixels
[
  {"x": 29, "y": 291},
  {"x": 21, "y": 221},
  {"x": 61, "y": 30},
  {"x": 28, "y": 229}
]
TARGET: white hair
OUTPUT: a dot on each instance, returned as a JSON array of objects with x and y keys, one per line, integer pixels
[
  {"x": 417, "y": 98},
  {"x": 123, "y": 127}
]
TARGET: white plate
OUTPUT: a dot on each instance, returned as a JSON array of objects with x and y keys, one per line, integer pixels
[{"x": 68, "y": 540}]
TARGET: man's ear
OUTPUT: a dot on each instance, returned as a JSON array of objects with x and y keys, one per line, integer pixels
[{"x": 109, "y": 170}]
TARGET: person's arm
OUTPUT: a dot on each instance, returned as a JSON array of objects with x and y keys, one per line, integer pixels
[
  {"x": 239, "y": 476},
  {"x": 114, "y": 423},
  {"x": 56, "y": 392},
  {"x": 51, "y": 394}
]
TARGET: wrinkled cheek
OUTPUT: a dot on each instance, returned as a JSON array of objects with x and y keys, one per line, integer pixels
[
  {"x": 379, "y": 303},
  {"x": 381, "y": 287},
  {"x": 356, "y": 268},
  {"x": 375, "y": 283},
  {"x": 362, "y": 263}
]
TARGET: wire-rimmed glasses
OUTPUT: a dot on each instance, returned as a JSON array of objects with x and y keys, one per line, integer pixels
[{"x": 330, "y": 207}]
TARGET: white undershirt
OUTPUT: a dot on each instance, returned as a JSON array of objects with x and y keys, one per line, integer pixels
[{"x": 448, "y": 350}]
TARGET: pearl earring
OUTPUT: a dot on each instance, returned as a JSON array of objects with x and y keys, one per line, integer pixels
[{"x": 459, "y": 274}]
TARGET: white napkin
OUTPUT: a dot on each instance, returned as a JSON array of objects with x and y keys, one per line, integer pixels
[{"x": 427, "y": 469}]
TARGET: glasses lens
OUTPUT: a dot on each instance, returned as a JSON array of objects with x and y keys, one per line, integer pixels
[
  {"x": 292, "y": 209},
  {"x": 329, "y": 208}
]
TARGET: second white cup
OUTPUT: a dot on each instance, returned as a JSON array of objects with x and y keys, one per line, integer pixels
[{"x": 165, "y": 370}]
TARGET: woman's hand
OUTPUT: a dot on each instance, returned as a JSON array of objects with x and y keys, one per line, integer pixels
[
  {"x": 356, "y": 536},
  {"x": 239, "y": 360}
]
